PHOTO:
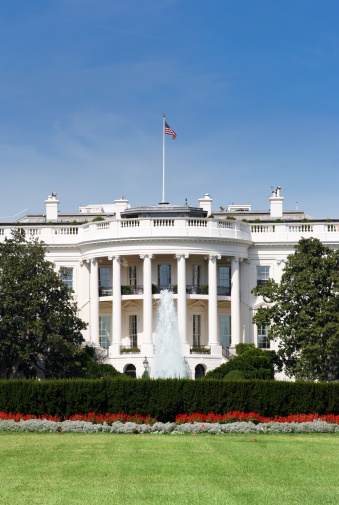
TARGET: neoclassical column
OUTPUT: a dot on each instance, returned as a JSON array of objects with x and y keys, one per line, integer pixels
[
  {"x": 235, "y": 301},
  {"x": 212, "y": 302},
  {"x": 116, "y": 310},
  {"x": 182, "y": 310},
  {"x": 94, "y": 300},
  {"x": 147, "y": 345}
]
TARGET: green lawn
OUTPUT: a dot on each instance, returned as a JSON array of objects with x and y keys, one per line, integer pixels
[{"x": 100, "y": 469}]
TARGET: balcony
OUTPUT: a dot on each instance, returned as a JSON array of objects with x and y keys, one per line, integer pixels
[
  {"x": 126, "y": 289},
  {"x": 224, "y": 290},
  {"x": 129, "y": 349},
  {"x": 201, "y": 349}
]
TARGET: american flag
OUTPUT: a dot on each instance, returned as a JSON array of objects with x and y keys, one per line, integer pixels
[{"x": 169, "y": 131}]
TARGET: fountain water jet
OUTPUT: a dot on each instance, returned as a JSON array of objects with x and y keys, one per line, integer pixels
[{"x": 168, "y": 359}]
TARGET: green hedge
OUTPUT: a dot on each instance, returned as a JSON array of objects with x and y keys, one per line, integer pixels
[{"x": 167, "y": 398}]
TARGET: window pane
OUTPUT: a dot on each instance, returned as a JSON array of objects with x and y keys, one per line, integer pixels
[
  {"x": 263, "y": 342},
  {"x": 263, "y": 274},
  {"x": 133, "y": 276},
  {"x": 224, "y": 276},
  {"x": 196, "y": 275},
  {"x": 164, "y": 276},
  {"x": 104, "y": 277},
  {"x": 133, "y": 332},
  {"x": 66, "y": 275},
  {"x": 196, "y": 330},
  {"x": 105, "y": 331},
  {"x": 225, "y": 331}
]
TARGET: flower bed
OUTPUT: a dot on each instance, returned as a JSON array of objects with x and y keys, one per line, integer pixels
[{"x": 236, "y": 416}]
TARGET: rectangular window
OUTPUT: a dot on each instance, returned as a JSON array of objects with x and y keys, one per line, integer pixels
[
  {"x": 224, "y": 281},
  {"x": 196, "y": 276},
  {"x": 66, "y": 275},
  {"x": 225, "y": 331},
  {"x": 105, "y": 284},
  {"x": 263, "y": 274},
  {"x": 164, "y": 277},
  {"x": 133, "y": 277},
  {"x": 196, "y": 330},
  {"x": 263, "y": 330},
  {"x": 105, "y": 331},
  {"x": 133, "y": 331}
]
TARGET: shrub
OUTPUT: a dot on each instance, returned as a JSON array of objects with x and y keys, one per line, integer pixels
[
  {"x": 204, "y": 289},
  {"x": 98, "y": 218},
  {"x": 126, "y": 289},
  {"x": 164, "y": 399}
]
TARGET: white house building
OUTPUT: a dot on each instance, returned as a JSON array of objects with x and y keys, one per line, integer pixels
[{"x": 119, "y": 258}]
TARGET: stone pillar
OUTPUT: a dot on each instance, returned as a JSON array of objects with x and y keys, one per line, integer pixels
[
  {"x": 213, "y": 306},
  {"x": 147, "y": 344},
  {"x": 116, "y": 309},
  {"x": 94, "y": 297},
  {"x": 235, "y": 302},
  {"x": 182, "y": 310}
]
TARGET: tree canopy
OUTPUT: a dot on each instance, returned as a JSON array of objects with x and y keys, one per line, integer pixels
[
  {"x": 251, "y": 363},
  {"x": 40, "y": 333},
  {"x": 303, "y": 312}
]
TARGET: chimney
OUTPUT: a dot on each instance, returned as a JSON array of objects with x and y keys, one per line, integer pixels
[
  {"x": 52, "y": 208},
  {"x": 120, "y": 206},
  {"x": 206, "y": 204},
  {"x": 276, "y": 204}
]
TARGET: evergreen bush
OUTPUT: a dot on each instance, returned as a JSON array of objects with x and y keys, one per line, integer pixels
[{"x": 164, "y": 399}]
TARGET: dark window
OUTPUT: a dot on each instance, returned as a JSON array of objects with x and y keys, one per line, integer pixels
[
  {"x": 133, "y": 333},
  {"x": 131, "y": 371},
  {"x": 199, "y": 371},
  {"x": 164, "y": 277}
]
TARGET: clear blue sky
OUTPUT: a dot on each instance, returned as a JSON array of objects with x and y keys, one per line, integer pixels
[{"x": 250, "y": 87}]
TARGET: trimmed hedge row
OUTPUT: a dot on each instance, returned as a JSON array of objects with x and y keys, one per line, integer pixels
[{"x": 165, "y": 399}]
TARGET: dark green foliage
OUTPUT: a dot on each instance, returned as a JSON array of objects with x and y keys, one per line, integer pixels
[
  {"x": 303, "y": 311},
  {"x": 167, "y": 398},
  {"x": 204, "y": 289},
  {"x": 126, "y": 289},
  {"x": 40, "y": 332},
  {"x": 241, "y": 348},
  {"x": 175, "y": 289},
  {"x": 254, "y": 363},
  {"x": 155, "y": 289},
  {"x": 235, "y": 375},
  {"x": 98, "y": 218}
]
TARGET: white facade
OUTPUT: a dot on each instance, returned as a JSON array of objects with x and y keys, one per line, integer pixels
[{"x": 116, "y": 265}]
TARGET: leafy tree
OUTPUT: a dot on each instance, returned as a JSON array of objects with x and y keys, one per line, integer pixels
[
  {"x": 251, "y": 363},
  {"x": 40, "y": 333},
  {"x": 303, "y": 311}
]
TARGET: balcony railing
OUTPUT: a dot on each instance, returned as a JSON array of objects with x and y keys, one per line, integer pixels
[
  {"x": 224, "y": 290},
  {"x": 125, "y": 290},
  {"x": 105, "y": 291},
  {"x": 226, "y": 352},
  {"x": 128, "y": 349},
  {"x": 201, "y": 349}
]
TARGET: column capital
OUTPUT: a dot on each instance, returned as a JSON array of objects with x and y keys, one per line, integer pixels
[
  {"x": 110, "y": 258},
  {"x": 281, "y": 261},
  {"x": 117, "y": 258},
  {"x": 143, "y": 256},
  {"x": 94, "y": 261},
  {"x": 235, "y": 259},
  {"x": 81, "y": 262},
  {"x": 215, "y": 256},
  {"x": 177, "y": 256}
]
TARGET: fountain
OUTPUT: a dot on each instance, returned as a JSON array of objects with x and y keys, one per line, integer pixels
[{"x": 168, "y": 359}]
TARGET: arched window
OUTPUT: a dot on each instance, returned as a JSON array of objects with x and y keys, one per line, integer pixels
[
  {"x": 130, "y": 370},
  {"x": 199, "y": 371}
]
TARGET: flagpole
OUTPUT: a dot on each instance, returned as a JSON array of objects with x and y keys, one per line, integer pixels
[{"x": 163, "y": 159}]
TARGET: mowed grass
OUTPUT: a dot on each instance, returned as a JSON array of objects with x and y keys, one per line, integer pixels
[{"x": 100, "y": 469}]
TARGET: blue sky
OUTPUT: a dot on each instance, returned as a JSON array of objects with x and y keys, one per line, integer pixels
[{"x": 250, "y": 87}]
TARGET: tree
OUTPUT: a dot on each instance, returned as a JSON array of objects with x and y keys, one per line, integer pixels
[
  {"x": 303, "y": 311},
  {"x": 40, "y": 333},
  {"x": 251, "y": 363}
]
